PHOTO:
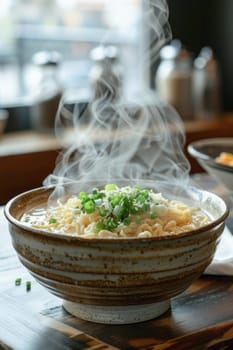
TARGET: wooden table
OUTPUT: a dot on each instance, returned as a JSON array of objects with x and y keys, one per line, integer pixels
[{"x": 200, "y": 318}]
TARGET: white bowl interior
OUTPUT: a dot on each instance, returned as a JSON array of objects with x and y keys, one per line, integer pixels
[{"x": 205, "y": 152}]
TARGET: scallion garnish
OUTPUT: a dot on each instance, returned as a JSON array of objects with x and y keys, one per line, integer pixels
[
  {"x": 116, "y": 207},
  {"x": 110, "y": 187},
  {"x": 153, "y": 215},
  {"x": 103, "y": 212},
  {"x": 89, "y": 206},
  {"x": 28, "y": 286},
  {"x": 99, "y": 226},
  {"x": 126, "y": 221},
  {"x": 52, "y": 221},
  {"x": 83, "y": 195},
  {"x": 18, "y": 281},
  {"x": 110, "y": 223}
]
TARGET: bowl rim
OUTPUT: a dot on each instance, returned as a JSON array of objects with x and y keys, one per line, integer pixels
[
  {"x": 204, "y": 157},
  {"x": 72, "y": 237}
]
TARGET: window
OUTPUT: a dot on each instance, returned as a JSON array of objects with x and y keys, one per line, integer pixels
[{"x": 71, "y": 27}]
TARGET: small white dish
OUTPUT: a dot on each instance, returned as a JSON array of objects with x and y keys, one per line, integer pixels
[{"x": 207, "y": 150}]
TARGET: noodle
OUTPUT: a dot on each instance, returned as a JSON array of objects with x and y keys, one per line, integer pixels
[{"x": 116, "y": 212}]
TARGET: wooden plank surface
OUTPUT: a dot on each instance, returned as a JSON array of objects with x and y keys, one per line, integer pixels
[
  {"x": 200, "y": 318},
  {"x": 196, "y": 316}
]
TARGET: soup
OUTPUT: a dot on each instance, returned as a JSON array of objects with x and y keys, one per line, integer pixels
[{"x": 117, "y": 212}]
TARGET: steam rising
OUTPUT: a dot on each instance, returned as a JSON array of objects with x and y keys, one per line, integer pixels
[{"x": 132, "y": 139}]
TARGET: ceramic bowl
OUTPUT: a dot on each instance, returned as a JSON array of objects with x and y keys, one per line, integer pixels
[
  {"x": 116, "y": 281},
  {"x": 205, "y": 152}
]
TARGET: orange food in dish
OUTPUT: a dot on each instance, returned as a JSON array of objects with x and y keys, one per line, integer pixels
[{"x": 225, "y": 158}]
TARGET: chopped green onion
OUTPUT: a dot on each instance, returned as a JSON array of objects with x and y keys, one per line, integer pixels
[
  {"x": 134, "y": 209},
  {"x": 28, "y": 286},
  {"x": 101, "y": 195},
  {"x": 103, "y": 212},
  {"x": 98, "y": 195},
  {"x": 126, "y": 221},
  {"x": 18, "y": 281},
  {"x": 52, "y": 221},
  {"x": 116, "y": 207},
  {"x": 99, "y": 226},
  {"x": 89, "y": 206},
  {"x": 83, "y": 195},
  {"x": 146, "y": 207},
  {"x": 137, "y": 187},
  {"x": 110, "y": 223},
  {"x": 95, "y": 191},
  {"x": 123, "y": 213},
  {"x": 153, "y": 216},
  {"x": 115, "y": 200},
  {"x": 110, "y": 187}
]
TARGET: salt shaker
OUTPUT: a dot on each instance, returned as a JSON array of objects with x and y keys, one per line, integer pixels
[
  {"x": 49, "y": 90},
  {"x": 173, "y": 79},
  {"x": 206, "y": 85},
  {"x": 105, "y": 75}
]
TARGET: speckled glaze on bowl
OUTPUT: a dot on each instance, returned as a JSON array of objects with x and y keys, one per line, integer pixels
[
  {"x": 205, "y": 151},
  {"x": 116, "y": 280}
]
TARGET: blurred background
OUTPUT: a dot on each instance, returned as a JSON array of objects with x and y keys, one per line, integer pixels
[
  {"x": 207, "y": 23},
  {"x": 73, "y": 28},
  {"x": 55, "y": 48}
]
